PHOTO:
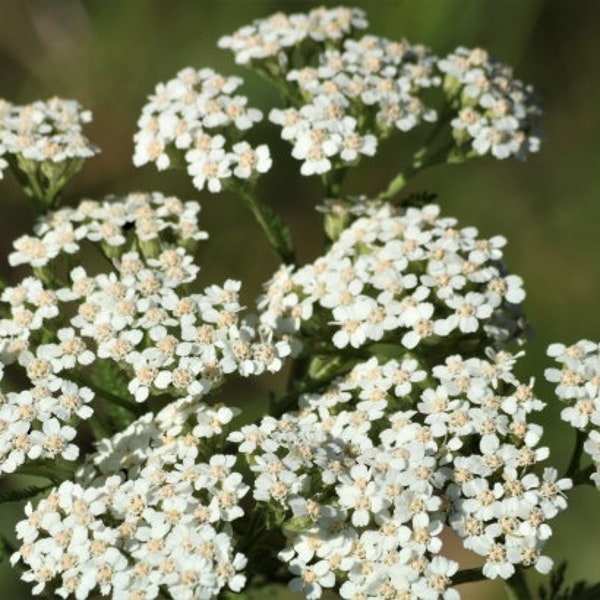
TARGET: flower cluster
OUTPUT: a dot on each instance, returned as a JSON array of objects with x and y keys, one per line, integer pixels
[
  {"x": 357, "y": 93},
  {"x": 367, "y": 474},
  {"x": 355, "y": 96},
  {"x": 402, "y": 420},
  {"x": 45, "y": 130},
  {"x": 578, "y": 385},
  {"x": 43, "y": 144},
  {"x": 190, "y": 119},
  {"x": 497, "y": 114},
  {"x": 151, "y": 508},
  {"x": 137, "y": 320},
  {"x": 277, "y": 38},
  {"x": 407, "y": 276}
]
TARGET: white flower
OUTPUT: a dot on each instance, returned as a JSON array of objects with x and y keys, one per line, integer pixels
[
  {"x": 470, "y": 309},
  {"x": 497, "y": 112},
  {"x": 311, "y": 578},
  {"x": 209, "y": 168},
  {"x": 45, "y": 130},
  {"x": 352, "y": 320},
  {"x": 248, "y": 161}
]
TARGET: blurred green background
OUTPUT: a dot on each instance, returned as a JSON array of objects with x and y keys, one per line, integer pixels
[{"x": 109, "y": 55}]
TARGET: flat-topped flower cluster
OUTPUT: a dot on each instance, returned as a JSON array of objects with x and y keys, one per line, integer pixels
[
  {"x": 137, "y": 318},
  {"x": 367, "y": 474},
  {"x": 280, "y": 36},
  {"x": 151, "y": 508},
  {"x": 192, "y": 119},
  {"x": 498, "y": 114},
  {"x": 401, "y": 275},
  {"x": 578, "y": 386},
  {"x": 44, "y": 145},
  {"x": 355, "y": 97},
  {"x": 48, "y": 130},
  {"x": 339, "y": 109}
]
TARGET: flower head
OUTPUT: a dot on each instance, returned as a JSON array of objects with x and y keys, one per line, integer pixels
[
  {"x": 190, "y": 120},
  {"x": 496, "y": 113},
  {"x": 400, "y": 275}
]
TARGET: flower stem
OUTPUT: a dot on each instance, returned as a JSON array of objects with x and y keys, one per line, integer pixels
[
  {"x": 332, "y": 181},
  {"x": 398, "y": 183},
  {"x": 517, "y": 586},
  {"x": 421, "y": 160},
  {"x": 468, "y": 576},
  {"x": 582, "y": 476},
  {"x": 576, "y": 456},
  {"x": 278, "y": 235},
  {"x": 99, "y": 427}
]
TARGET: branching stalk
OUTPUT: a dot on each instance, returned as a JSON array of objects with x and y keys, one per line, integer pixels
[
  {"x": 420, "y": 161},
  {"x": 278, "y": 235}
]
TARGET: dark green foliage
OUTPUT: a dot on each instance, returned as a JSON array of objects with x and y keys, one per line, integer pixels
[
  {"x": 557, "y": 590},
  {"x": 26, "y": 493},
  {"x": 418, "y": 199}
]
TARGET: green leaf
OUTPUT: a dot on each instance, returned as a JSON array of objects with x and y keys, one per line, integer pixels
[
  {"x": 556, "y": 589},
  {"x": 387, "y": 351},
  {"x": 108, "y": 378},
  {"x": 21, "y": 494},
  {"x": 323, "y": 368}
]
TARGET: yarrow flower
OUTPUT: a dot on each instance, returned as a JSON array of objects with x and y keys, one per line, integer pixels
[
  {"x": 368, "y": 473},
  {"x": 48, "y": 130},
  {"x": 147, "y": 510},
  {"x": 134, "y": 322},
  {"x": 353, "y": 98},
  {"x": 496, "y": 113},
  {"x": 190, "y": 120},
  {"x": 577, "y": 382},
  {"x": 274, "y": 40},
  {"x": 407, "y": 276},
  {"x": 44, "y": 144}
]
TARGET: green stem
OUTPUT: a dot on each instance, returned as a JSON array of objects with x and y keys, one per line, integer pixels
[
  {"x": 134, "y": 409},
  {"x": 277, "y": 234},
  {"x": 468, "y": 576},
  {"x": 582, "y": 476},
  {"x": 576, "y": 456},
  {"x": 27, "y": 173},
  {"x": 300, "y": 383},
  {"x": 398, "y": 183},
  {"x": 517, "y": 586},
  {"x": 289, "y": 95},
  {"x": 420, "y": 161},
  {"x": 36, "y": 193},
  {"x": 333, "y": 180},
  {"x": 99, "y": 428}
]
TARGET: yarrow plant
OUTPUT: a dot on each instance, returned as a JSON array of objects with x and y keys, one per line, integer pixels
[{"x": 402, "y": 424}]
